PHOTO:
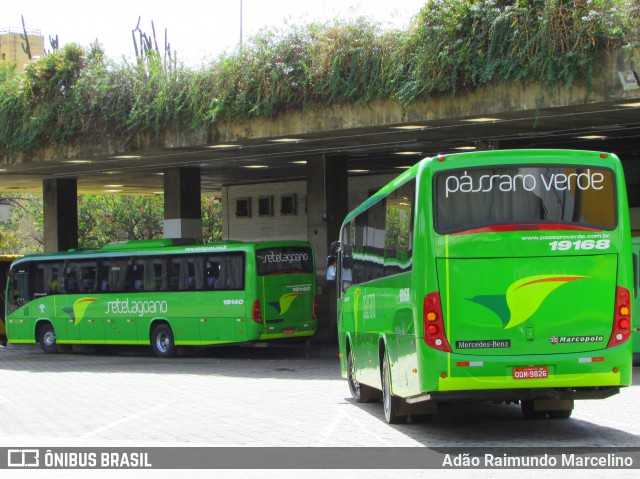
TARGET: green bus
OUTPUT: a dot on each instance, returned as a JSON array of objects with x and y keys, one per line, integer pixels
[
  {"x": 165, "y": 293},
  {"x": 494, "y": 275},
  {"x": 635, "y": 246},
  {"x": 5, "y": 262}
]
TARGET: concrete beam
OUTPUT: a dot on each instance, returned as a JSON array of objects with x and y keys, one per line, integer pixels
[{"x": 495, "y": 98}]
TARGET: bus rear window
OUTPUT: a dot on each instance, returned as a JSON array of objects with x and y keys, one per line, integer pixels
[
  {"x": 576, "y": 196},
  {"x": 284, "y": 260}
]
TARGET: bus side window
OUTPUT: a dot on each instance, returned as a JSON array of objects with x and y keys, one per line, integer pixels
[
  {"x": 89, "y": 273},
  {"x": 196, "y": 273},
  {"x": 231, "y": 272},
  {"x": 38, "y": 280},
  {"x": 175, "y": 272},
  {"x": 345, "y": 261},
  {"x": 71, "y": 280},
  {"x": 138, "y": 271},
  {"x": 212, "y": 272},
  {"x": 149, "y": 274},
  {"x": 44, "y": 278},
  {"x": 18, "y": 288},
  {"x": 81, "y": 276},
  {"x": 53, "y": 275},
  {"x": 114, "y": 275},
  {"x": 186, "y": 273}
]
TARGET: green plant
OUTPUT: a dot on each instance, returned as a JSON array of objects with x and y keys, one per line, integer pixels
[{"x": 452, "y": 46}]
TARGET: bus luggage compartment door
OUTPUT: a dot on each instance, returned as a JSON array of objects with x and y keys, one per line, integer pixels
[
  {"x": 287, "y": 305},
  {"x": 542, "y": 305}
]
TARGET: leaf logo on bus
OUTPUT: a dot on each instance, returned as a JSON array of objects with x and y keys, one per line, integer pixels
[
  {"x": 285, "y": 302},
  {"x": 523, "y": 298},
  {"x": 79, "y": 308}
]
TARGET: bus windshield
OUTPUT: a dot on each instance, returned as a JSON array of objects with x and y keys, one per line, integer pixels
[
  {"x": 575, "y": 197},
  {"x": 284, "y": 260}
]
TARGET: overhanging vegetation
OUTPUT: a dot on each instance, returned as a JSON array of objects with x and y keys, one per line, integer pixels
[{"x": 452, "y": 46}]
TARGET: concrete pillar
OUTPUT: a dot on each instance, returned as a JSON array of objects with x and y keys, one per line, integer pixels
[
  {"x": 60, "y": 205},
  {"x": 182, "y": 203},
  {"x": 327, "y": 206}
]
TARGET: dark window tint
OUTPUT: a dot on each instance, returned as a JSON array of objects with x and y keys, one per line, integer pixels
[
  {"x": 243, "y": 207},
  {"x": 398, "y": 245},
  {"x": 186, "y": 273},
  {"x": 115, "y": 276},
  {"x": 225, "y": 271},
  {"x": 149, "y": 274},
  {"x": 18, "y": 291},
  {"x": 481, "y": 197},
  {"x": 635, "y": 275},
  {"x": 265, "y": 206},
  {"x": 81, "y": 277},
  {"x": 379, "y": 241},
  {"x": 288, "y": 205},
  {"x": 47, "y": 278}
]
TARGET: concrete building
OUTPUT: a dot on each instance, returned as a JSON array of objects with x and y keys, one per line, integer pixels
[
  {"x": 298, "y": 175},
  {"x": 13, "y": 46}
]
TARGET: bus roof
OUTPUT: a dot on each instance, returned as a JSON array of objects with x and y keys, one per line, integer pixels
[
  {"x": 162, "y": 246},
  {"x": 496, "y": 156}
]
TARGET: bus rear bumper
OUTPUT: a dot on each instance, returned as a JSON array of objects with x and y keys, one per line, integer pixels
[
  {"x": 588, "y": 374},
  {"x": 524, "y": 394}
]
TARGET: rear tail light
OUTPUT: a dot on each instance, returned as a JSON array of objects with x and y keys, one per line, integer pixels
[
  {"x": 315, "y": 307},
  {"x": 621, "y": 331},
  {"x": 434, "y": 334},
  {"x": 256, "y": 315}
]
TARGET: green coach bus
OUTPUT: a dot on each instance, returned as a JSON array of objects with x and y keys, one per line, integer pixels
[
  {"x": 495, "y": 275},
  {"x": 165, "y": 293}
]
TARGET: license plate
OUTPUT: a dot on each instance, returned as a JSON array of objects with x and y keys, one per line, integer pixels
[
  {"x": 289, "y": 331},
  {"x": 531, "y": 372}
]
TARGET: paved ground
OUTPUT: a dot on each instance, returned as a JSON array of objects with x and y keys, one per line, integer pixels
[{"x": 255, "y": 397}]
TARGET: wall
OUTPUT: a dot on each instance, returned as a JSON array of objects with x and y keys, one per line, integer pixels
[
  {"x": 11, "y": 46},
  {"x": 281, "y": 226},
  {"x": 278, "y": 226},
  {"x": 634, "y": 216}
]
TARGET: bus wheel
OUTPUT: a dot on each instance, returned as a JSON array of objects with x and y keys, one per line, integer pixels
[
  {"x": 47, "y": 339},
  {"x": 360, "y": 392},
  {"x": 560, "y": 414},
  {"x": 354, "y": 385},
  {"x": 390, "y": 402},
  {"x": 529, "y": 412},
  {"x": 162, "y": 341}
]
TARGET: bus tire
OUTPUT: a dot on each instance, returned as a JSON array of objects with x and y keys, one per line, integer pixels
[
  {"x": 390, "y": 403},
  {"x": 529, "y": 412},
  {"x": 162, "y": 341},
  {"x": 360, "y": 392},
  {"x": 47, "y": 339}
]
